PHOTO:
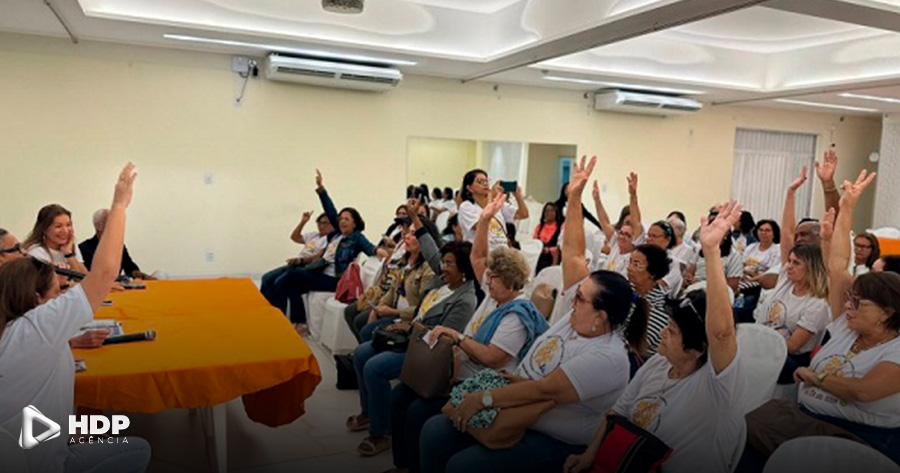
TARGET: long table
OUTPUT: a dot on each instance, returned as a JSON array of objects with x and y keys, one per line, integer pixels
[{"x": 217, "y": 339}]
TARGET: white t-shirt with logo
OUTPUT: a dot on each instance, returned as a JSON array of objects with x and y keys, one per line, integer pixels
[
  {"x": 784, "y": 312},
  {"x": 759, "y": 260},
  {"x": 470, "y": 212},
  {"x": 836, "y": 359},
  {"x": 684, "y": 254},
  {"x": 37, "y": 368},
  {"x": 699, "y": 416},
  {"x": 510, "y": 335},
  {"x": 54, "y": 257},
  {"x": 617, "y": 261},
  {"x": 314, "y": 245},
  {"x": 581, "y": 359}
]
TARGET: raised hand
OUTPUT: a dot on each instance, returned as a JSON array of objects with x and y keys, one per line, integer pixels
[
  {"x": 852, "y": 191},
  {"x": 799, "y": 181},
  {"x": 581, "y": 172},
  {"x": 712, "y": 233},
  {"x": 632, "y": 183},
  {"x": 825, "y": 169},
  {"x": 826, "y": 229},
  {"x": 493, "y": 207},
  {"x": 306, "y": 216},
  {"x": 124, "y": 187},
  {"x": 595, "y": 192},
  {"x": 319, "y": 184}
]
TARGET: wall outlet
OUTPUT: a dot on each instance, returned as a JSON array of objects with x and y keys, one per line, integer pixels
[
  {"x": 208, "y": 178},
  {"x": 240, "y": 64},
  {"x": 210, "y": 256}
]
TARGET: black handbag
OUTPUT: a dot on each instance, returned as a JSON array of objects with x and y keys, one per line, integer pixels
[
  {"x": 346, "y": 374},
  {"x": 388, "y": 340}
]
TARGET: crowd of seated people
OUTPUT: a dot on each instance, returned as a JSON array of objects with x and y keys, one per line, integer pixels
[
  {"x": 668, "y": 354},
  {"x": 40, "y": 316}
]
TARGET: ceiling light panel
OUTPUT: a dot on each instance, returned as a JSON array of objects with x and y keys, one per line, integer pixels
[{"x": 827, "y": 105}]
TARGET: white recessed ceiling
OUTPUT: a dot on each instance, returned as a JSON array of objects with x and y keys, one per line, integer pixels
[{"x": 786, "y": 49}]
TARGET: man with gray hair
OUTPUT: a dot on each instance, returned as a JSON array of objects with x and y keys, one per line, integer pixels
[{"x": 89, "y": 246}]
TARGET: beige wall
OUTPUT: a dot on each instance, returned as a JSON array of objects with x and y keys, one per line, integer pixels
[
  {"x": 439, "y": 162},
  {"x": 72, "y": 114},
  {"x": 543, "y": 170}
]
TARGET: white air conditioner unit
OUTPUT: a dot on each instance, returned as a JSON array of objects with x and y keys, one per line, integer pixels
[
  {"x": 644, "y": 103},
  {"x": 331, "y": 74}
]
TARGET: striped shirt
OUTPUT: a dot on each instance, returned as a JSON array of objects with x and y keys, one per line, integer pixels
[{"x": 659, "y": 318}]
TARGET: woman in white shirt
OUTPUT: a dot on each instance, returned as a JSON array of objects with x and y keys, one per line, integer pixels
[
  {"x": 866, "y": 252},
  {"x": 52, "y": 239},
  {"x": 476, "y": 194},
  {"x": 797, "y": 308},
  {"x": 759, "y": 257},
  {"x": 313, "y": 245},
  {"x": 36, "y": 364},
  {"x": 688, "y": 395},
  {"x": 561, "y": 366},
  {"x": 854, "y": 380}
]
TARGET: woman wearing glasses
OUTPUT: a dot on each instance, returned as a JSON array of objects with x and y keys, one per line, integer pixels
[
  {"x": 10, "y": 249},
  {"x": 581, "y": 363},
  {"x": 476, "y": 194},
  {"x": 865, "y": 253},
  {"x": 688, "y": 395},
  {"x": 854, "y": 380},
  {"x": 647, "y": 266}
]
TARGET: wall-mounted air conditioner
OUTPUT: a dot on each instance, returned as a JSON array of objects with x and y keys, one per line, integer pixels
[
  {"x": 644, "y": 103},
  {"x": 331, "y": 74}
]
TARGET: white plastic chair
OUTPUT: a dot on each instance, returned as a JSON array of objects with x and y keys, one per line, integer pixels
[
  {"x": 441, "y": 221},
  {"x": 763, "y": 352},
  {"x": 531, "y": 250},
  {"x": 885, "y": 232},
  {"x": 702, "y": 285},
  {"x": 332, "y": 330},
  {"x": 828, "y": 454},
  {"x": 12, "y": 457}
]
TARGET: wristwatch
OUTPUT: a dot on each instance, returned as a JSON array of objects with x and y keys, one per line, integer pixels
[
  {"x": 487, "y": 399},
  {"x": 822, "y": 377},
  {"x": 460, "y": 338}
]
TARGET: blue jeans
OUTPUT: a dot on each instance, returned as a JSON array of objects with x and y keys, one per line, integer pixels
[
  {"x": 443, "y": 448},
  {"x": 409, "y": 412},
  {"x": 365, "y": 333},
  {"x": 290, "y": 284},
  {"x": 131, "y": 457},
  {"x": 374, "y": 372}
]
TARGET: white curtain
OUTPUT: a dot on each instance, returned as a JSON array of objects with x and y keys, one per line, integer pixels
[
  {"x": 506, "y": 160},
  {"x": 765, "y": 163}
]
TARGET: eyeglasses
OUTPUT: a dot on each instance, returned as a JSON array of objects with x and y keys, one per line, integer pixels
[
  {"x": 855, "y": 301},
  {"x": 637, "y": 264},
  {"x": 483, "y": 181},
  {"x": 688, "y": 303},
  {"x": 862, "y": 247},
  {"x": 15, "y": 249}
]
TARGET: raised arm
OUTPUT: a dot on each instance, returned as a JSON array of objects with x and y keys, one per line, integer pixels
[
  {"x": 428, "y": 247},
  {"x": 788, "y": 220},
  {"x": 720, "y": 331},
  {"x": 480, "y": 245},
  {"x": 605, "y": 225},
  {"x": 636, "y": 223},
  {"x": 574, "y": 263},
  {"x": 297, "y": 234},
  {"x": 327, "y": 204},
  {"x": 108, "y": 257},
  {"x": 522, "y": 211},
  {"x": 839, "y": 278},
  {"x": 825, "y": 171}
]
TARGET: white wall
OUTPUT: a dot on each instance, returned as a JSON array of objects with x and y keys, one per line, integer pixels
[
  {"x": 72, "y": 114},
  {"x": 439, "y": 162}
]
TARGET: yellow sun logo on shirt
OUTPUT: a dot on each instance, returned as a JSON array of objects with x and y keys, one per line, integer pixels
[{"x": 645, "y": 413}]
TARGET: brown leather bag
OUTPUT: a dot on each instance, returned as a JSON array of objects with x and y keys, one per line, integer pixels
[
  {"x": 509, "y": 426},
  {"x": 428, "y": 371}
]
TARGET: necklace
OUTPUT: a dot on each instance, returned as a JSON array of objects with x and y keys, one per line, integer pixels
[{"x": 857, "y": 347}]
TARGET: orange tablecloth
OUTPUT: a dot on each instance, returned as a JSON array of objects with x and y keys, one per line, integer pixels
[
  {"x": 216, "y": 340},
  {"x": 889, "y": 246}
]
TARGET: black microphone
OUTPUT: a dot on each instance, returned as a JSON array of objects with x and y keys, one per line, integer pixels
[
  {"x": 69, "y": 273},
  {"x": 131, "y": 337}
]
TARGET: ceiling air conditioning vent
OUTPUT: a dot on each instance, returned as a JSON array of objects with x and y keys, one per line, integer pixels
[
  {"x": 331, "y": 73},
  {"x": 644, "y": 103}
]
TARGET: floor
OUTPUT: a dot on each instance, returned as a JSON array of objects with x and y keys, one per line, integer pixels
[{"x": 316, "y": 442}]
